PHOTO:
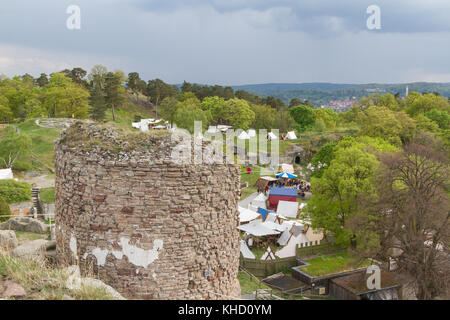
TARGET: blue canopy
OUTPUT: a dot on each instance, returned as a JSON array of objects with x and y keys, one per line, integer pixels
[
  {"x": 286, "y": 175},
  {"x": 263, "y": 212},
  {"x": 286, "y": 192}
]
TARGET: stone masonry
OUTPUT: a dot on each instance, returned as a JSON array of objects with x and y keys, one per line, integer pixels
[{"x": 150, "y": 228}]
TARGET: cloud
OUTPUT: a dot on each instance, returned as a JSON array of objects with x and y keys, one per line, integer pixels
[{"x": 231, "y": 41}]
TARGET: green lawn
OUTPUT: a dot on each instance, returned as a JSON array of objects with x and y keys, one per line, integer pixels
[
  {"x": 249, "y": 284},
  {"x": 23, "y": 236},
  {"x": 333, "y": 263},
  {"x": 47, "y": 195},
  {"x": 42, "y": 144}
]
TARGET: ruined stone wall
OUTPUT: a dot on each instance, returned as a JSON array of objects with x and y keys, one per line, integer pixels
[{"x": 142, "y": 224}]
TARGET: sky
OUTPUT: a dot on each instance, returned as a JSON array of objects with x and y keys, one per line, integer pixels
[{"x": 232, "y": 42}]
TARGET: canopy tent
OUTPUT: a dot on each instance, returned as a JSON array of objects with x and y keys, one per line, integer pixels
[
  {"x": 291, "y": 135},
  {"x": 251, "y": 133},
  {"x": 284, "y": 238},
  {"x": 288, "y": 168},
  {"x": 247, "y": 215},
  {"x": 268, "y": 255},
  {"x": 259, "y": 201},
  {"x": 286, "y": 175},
  {"x": 212, "y": 129},
  {"x": 223, "y": 128},
  {"x": 264, "y": 212},
  {"x": 284, "y": 194},
  {"x": 256, "y": 228},
  {"x": 288, "y": 208},
  {"x": 271, "y": 136},
  {"x": 274, "y": 226},
  {"x": 243, "y": 136},
  {"x": 6, "y": 174},
  {"x": 262, "y": 182},
  {"x": 246, "y": 252}
]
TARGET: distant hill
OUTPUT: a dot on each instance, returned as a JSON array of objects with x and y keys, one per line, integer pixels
[{"x": 323, "y": 93}]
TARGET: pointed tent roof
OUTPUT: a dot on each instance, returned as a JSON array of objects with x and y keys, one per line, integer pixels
[{"x": 244, "y": 136}]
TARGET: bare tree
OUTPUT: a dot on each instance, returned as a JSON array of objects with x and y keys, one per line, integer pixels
[{"x": 408, "y": 218}]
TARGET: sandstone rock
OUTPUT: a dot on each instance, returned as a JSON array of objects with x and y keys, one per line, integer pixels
[
  {"x": 75, "y": 281},
  {"x": 10, "y": 289},
  {"x": 8, "y": 239},
  {"x": 24, "y": 224},
  {"x": 33, "y": 248}
]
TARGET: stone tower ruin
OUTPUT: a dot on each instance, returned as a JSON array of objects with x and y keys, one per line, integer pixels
[{"x": 148, "y": 227}]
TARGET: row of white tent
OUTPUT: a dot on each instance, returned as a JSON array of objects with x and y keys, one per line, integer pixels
[
  {"x": 250, "y": 133},
  {"x": 144, "y": 124}
]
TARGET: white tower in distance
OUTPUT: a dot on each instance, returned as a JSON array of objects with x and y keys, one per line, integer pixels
[{"x": 407, "y": 92}]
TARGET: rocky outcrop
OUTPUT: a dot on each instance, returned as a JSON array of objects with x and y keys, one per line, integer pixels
[
  {"x": 33, "y": 248},
  {"x": 8, "y": 240},
  {"x": 25, "y": 224}
]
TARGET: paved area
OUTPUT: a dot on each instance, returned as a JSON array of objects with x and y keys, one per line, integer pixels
[{"x": 244, "y": 203}]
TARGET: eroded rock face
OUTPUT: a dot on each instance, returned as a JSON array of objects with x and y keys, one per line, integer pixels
[
  {"x": 148, "y": 227},
  {"x": 8, "y": 240},
  {"x": 24, "y": 224},
  {"x": 10, "y": 289},
  {"x": 30, "y": 249}
]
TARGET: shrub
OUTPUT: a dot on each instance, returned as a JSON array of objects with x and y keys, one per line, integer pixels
[
  {"x": 22, "y": 166},
  {"x": 5, "y": 212},
  {"x": 15, "y": 191}
]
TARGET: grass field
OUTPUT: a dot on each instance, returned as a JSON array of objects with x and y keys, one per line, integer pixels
[
  {"x": 47, "y": 195},
  {"x": 42, "y": 144},
  {"x": 333, "y": 263},
  {"x": 249, "y": 284}
]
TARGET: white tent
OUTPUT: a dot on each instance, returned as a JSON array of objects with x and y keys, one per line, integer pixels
[
  {"x": 246, "y": 215},
  {"x": 288, "y": 208},
  {"x": 289, "y": 249},
  {"x": 223, "y": 128},
  {"x": 291, "y": 135},
  {"x": 289, "y": 168},
  {"x": 274, "y": 226},
  {"x": 244, "y": 136},
  {"x": 284, "y": 238},
  {"x": 6, "y": 174},
  {"x": 259, "y": 201},
  {"x": 256, "y": 228},
  {"x": 271, "y": 136},
  {"x": 212, "y": 129},
  {"x": 136, "y": 125},
  {"x": 246, "y": 252},
  {"x": 268, "y": 255},
  {"x": 251, "y": 133},
  {"x": 302, "y": 205}
]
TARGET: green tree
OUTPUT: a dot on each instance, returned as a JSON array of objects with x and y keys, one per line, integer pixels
[
  {"x": 218, "y": 108},
  {"x": 265, "y": 117},
  {"x": 189, "y": 111},
  {"x": 158, "y": 90},
  {"x": 114, "y": 91},
  {"x": 336, "y": 194},
  {"x": 42, "y": 81},
  {"x": 239, "y": 114},
  {"x": 168, "y": 108},
  {"x": 5, "y": 211},
  {"x": 304, "y": 116},
  {"x": 98, "y": 104},
  {"x": 442, "y": 118},
  {"x": 13, "y": 146},
  {"x": 64, "y": 98}
]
